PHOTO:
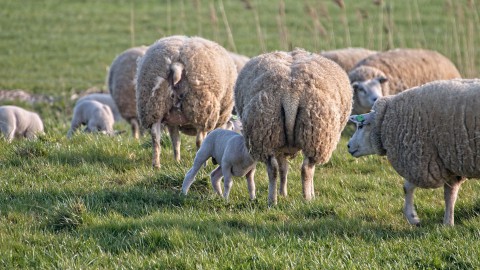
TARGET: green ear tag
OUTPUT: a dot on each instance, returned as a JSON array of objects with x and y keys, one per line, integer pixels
[{"x": 360, "y": 118}]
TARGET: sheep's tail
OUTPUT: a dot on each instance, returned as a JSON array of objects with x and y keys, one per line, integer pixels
[
  {"x": 175, "y": 74},
  {"x": 289, "y": 111}
]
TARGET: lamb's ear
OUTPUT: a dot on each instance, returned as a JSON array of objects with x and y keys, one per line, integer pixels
[{"x": 382, "y": 79}]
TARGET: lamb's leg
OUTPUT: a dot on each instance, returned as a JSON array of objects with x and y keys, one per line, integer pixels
[
  {"x": 227, "y": 180},
  {"x": 135, "y": 128},
  {"x": 450, "y": 192},
  {"x": 9, "y": 132},
  {"x": 215, "y": 177},
  {"x": 156, "y": 134},
  {"x": 251, "y": 183},
  {"x": 272, "y": 171},
  {"x": 200, "y": 136},
  {"x": 283, "y": 167},
  {"x": 200, "y": 158},
  {"x": 175, "y": 138},
  {"x": 73, "y": 126},
  {"x": 409, "y": 208},
  {"x": 308, "y": 170}
]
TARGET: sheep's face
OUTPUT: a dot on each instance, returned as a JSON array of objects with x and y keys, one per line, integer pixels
[
  {"x": 360, "y": 143},
  {"x": 367, "y": 92}
]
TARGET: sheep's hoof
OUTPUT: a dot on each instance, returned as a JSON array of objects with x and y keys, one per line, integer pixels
[{"x": 156, "y": 166}]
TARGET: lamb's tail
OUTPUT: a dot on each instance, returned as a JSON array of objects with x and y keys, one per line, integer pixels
[{"x": 289, "y": 111}]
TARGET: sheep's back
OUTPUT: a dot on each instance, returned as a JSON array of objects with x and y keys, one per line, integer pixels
[
  {"x": 406, "y": 68},
  {"x": 347, "y": 58},
  {"x": 432, "y": 132}
]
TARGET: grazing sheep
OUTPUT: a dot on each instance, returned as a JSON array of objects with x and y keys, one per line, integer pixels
[
  {"x": 347, "y": 58},
  {"x": 106, "y": 99},
  {"x": 391, "y": 72},
  {"x": 292, "y": 101},
  {"x": 431, "y": 136},
  {"x": 239, "y": 60},
  {"x": 16, "y": 122},
  {"x": 95, "y": 115},
  {"x": 121, "y": 84},
  {"x": 227, "y": 149},
  {"x": 185, "y": 83}
]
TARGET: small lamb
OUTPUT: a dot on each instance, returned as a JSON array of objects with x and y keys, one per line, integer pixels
[
  {"x": 227, "y": 148},
  {"x": 16, "y": 122},
  {"x": 431, "y": 136},
  {"x": 95, "y": 115}
]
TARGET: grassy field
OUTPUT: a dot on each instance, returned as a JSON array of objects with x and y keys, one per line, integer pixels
[{"x": 95, "y": 202}]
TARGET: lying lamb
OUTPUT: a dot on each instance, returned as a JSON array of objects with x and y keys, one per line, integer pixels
[
  {"x": 95, "y": 115},
  {"x": 227, "y": 148},
  {"x": 431, "y": 136},
  {"x": 16, "y": 122}
]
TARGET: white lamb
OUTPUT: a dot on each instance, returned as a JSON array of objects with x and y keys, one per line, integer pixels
[
  {"x": 106, "y": 99},
  {"x": 227, "y": 148},
  {"x": 16, "y": 122},
  {"x": 97, "y": 116}
]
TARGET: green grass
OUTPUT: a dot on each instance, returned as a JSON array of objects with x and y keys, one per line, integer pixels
[{"x": 95, "y": 202}]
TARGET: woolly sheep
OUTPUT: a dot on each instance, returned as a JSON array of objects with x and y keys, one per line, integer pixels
[
  {"x": 121, "y": 84},
  {"x": 16, "y": 122},
  {"x": 431, "y": 136},
  {"x": 292, "y": 101},
  {"x": 186, "y": 84},
  {"x": 227, "y": 149},
  {"x": 95, "y": 115},
  {"x": 106, "y": 99},
  {"x": 239, "y": 60},
  {"x": 346, "y": 58},
  {"x": 391, "y": 72}
]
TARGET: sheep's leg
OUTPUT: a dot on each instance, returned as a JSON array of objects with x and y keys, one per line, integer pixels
[
  {"x": 227, "y": 180},
  {"x": 308, "y": 170},
  {"x": 135, "y": 128},
  {"x": 215, "y": 177},
  {"x": 156, "y": 134},
  {"x": 200, "y": 136},
  {"x": 450, "y": 192},
  {"x": 409, "y": 208},
  {"x": 175, "y": 138},
  {"x": 200, "y": 158},
  {"x": 283, "y": 167},
  {"x": 272, "y": 171},
  {"x": 251, "y": 183},
  {"x": 73, "y": 126}
]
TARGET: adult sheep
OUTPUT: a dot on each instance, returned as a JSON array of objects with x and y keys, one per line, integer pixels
[
  {"x": 186, "y": 84},
  {"x": 121, "y": 84},
  {"x": 391, "y": 72},
  {"x": 16, "y": 122},
  {"x": 431, "y": 136},
  {"x": 292, "y": 101},
  {"x": 347, "y": 57},
  {"x": 239, "y": 60}
]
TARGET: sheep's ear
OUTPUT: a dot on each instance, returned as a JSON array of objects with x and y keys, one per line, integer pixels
[{"x": 382, "y": 79}]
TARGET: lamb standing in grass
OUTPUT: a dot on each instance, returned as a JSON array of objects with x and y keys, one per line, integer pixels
[
  {"x": 431, "y": 136},
  {"x": 391, "y": 72},
  {"x": 16, "y": 122},
  {"x": 292, "y": 101},
  {"x": 95, "y": 115},
  {"x": 187, "y": 85},
  {"x": 347, "y": 57},
  {"x": 106, "y": 99},
  {"x": 227, "y": 148},
  {"x": 121, "y": 84}
]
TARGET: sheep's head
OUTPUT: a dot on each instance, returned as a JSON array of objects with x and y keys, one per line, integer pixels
[
  {"x": 367, "y": 92},
  {"x": 360, "y": 144}
]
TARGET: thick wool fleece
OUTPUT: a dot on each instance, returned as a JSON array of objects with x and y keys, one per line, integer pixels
[
  {"x": 347, "y": 57},
  {"x": 121, "y": 81},
  {"x": 431, "y": 133},
  {"x": 207, "y": 80},
  {"x": 405, "y": 68},
  {"x": 292, "y": 101},
  {"x": 239, "y": 60}
]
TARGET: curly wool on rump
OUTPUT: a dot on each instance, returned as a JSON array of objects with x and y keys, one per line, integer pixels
[
  {"x": 121, "y": 84},
  {"x": 185, "y": 83},
  {"x": 292, "y": 101},
  {"x": 404, "y": 68},
  {"x": 346, "y": 58}
]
